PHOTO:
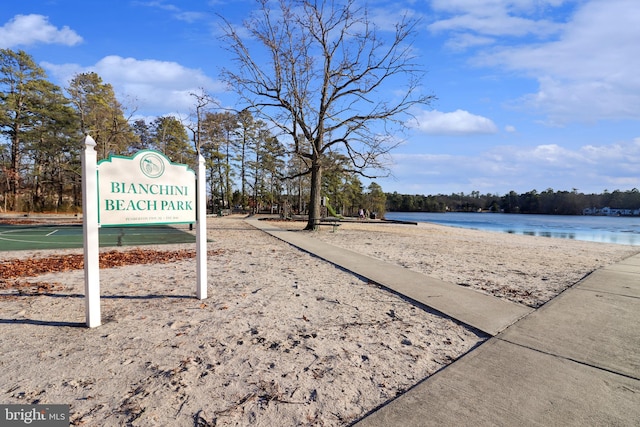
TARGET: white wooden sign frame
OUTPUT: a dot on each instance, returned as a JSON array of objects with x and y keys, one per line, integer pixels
[{"x": 175, "y": 203}]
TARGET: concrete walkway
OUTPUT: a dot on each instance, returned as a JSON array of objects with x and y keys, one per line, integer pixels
[
  {"x": 573, "y": 362},
  {"x": 484, "y": 312}
]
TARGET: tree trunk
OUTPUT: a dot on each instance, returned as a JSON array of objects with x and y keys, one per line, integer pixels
[
  {"x": 14, "y": 170},
  {"x": 314, "y": 197},
  {"x": 300, "y": 195}
]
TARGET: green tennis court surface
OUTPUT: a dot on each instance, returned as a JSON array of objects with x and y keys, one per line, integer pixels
[{"x": 27, "y": 237}]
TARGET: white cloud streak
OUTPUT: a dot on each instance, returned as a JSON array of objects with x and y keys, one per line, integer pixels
[
  {"x": 495, "y": 17},
  {"x": 590, "y": 168}
]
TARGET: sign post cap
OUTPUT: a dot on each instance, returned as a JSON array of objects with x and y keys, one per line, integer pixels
[{"x": 89, "y": 141}]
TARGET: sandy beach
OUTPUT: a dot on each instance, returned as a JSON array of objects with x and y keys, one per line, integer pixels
[
  {"x": 523, "y": 269},
  {"x": 284, "y": 338}
]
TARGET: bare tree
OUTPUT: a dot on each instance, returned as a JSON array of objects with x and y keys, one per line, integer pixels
[
  {"x": 333, "y": 82},
  {"x": 203, "y": 100}
]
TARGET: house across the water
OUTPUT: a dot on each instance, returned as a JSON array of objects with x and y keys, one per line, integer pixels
[{"x": 607, "y": 211}]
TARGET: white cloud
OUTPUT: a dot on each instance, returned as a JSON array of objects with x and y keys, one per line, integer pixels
[
  {"x": 591, "y": 72},
  {"x": 500, "y": 25},
  {"x": 179, "y": 14},
  {"x": 491, "y": 7},
  {"x": 590, "y": 168},
  {"x": 161, "y": 5},
  {"x": 459, "y": 122},
  {"x": 565, "y": 99},
  {"x": 157, "y": 87},
  {"x": 27, "y": 30},
  {"x": 494, "y": 17},
  {"x": 594, "y": 167},
  {"x": 510, "y": 128},
  {"x": 190, "y": 17},
  {"x": 465, "y": 41},
  {"x": 547, "y": 155}
]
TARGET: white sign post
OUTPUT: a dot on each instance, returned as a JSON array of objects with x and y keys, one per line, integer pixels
[
  {"x": 140, "y": 190},
  {"x": 90, "y": 234},
  {"x": 201, "y": 231}
]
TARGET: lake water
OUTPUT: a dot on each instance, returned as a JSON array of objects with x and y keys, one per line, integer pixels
[{"x": 605, "y": 229}]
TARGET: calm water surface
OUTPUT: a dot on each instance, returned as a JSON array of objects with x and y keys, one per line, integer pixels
[{"x": 605, "y": 229}]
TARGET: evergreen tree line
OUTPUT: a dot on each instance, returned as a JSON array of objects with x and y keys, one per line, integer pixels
[
  {"x": 547, "y": 202},
  {"x": 42, "y": 128}
]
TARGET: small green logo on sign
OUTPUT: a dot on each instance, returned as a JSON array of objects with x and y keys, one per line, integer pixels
[{"x": 152, "y": 165}]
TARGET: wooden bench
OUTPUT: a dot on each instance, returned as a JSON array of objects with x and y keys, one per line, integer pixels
[{"x": 335, "y": 223}]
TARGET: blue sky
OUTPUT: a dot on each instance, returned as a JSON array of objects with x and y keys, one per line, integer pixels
[{"x": 532, "y": 94}]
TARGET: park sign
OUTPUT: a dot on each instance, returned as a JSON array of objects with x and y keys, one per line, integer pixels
[
  {"x": 145, "y": 189},
  {"x": 141, "y": 190}
]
